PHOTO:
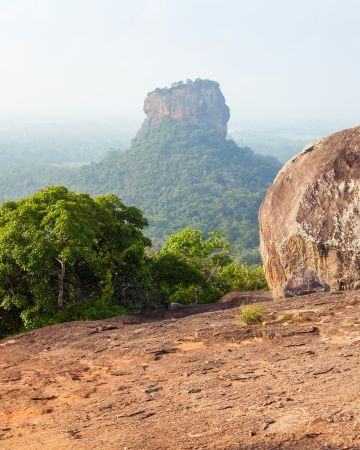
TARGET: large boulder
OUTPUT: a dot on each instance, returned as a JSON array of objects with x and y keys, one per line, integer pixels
[{"x": 310, "y": 217}]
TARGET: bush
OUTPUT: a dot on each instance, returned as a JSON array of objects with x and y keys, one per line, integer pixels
[
  {"x": 10, "y": 322},
  {"x": 252, "y": 314},
  {"x": 186, "y": 295},
  {"x": 168, "y": 272},
  {"x": 89, "y": 310},
  {"x": 242, "y": 278}
]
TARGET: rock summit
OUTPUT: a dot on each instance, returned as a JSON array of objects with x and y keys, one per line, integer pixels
[{"x": 199, "y": 102}]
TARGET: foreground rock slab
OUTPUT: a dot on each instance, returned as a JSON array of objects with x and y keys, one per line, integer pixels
[
  {"x": 193, "y": 378},
  {"x": 310, "y": 217}
]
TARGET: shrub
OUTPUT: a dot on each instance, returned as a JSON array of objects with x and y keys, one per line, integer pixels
[
  {"x": 186, "y": 295},
  {"x": 252, "y": 314},
  {"x": 10, "y": 322},
  {"x": 285, "y": 317},
  {"x": 89, "y": 310},
  {"x": 242, "y": 278}
]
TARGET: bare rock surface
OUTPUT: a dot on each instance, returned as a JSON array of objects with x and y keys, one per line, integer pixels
[
  {"x": 188, "y": 379},
  {"x": 245, "y": 297},
  {"x": 310, "y": 217},
  {"x": 199, "y": 102}
]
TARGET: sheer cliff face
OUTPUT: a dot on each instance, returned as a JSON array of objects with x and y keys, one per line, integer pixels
[{"x": 200, "y": 102}]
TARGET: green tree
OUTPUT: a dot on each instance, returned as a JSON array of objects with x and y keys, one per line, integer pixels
[
  {"x": 194, "y": 247},
  {"x": 169, "y": 272},
  {"x": 204, "y": 254},
  {"x": 58, "y": 248},
  {"x": 242, "y": 278}
]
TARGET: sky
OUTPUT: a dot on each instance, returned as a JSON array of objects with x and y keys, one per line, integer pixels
[{"x": 278, "y": 61}]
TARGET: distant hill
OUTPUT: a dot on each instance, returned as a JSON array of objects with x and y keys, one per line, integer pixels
[{"x": 182, "y": 171}]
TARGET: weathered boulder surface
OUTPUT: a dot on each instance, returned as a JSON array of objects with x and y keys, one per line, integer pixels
[
  {"x": 310, "y": 217},
  {"x": 304, "y": 282},
  {"x": 200, "y": 102}
]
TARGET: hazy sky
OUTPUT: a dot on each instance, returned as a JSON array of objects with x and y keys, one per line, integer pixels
[{"x": 276, "y": 60}]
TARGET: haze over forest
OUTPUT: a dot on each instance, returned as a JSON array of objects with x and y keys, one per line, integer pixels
[{"x": 283, "y": 67}]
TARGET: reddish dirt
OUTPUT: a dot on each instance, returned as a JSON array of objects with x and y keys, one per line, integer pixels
[{"x": 188, "y": 379}]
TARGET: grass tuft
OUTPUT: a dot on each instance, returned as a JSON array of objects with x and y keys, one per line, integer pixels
[
  {"x": 285, "y": 317},
  {"x": 252, "y": 314}
]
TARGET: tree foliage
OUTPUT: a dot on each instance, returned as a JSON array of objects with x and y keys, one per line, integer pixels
[
  {"x": 58, "y": 249},
  {"x": 207, "y": 270},
  {"x": 243, "y": 277},
  {"x": 195, "y": 248}
]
